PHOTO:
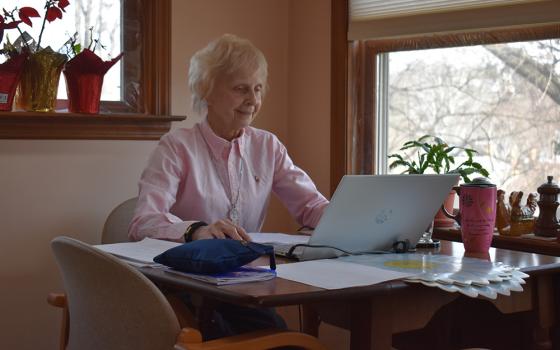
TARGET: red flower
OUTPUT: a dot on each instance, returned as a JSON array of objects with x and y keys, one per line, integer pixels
[
  {"x": 53, "y": 10},
  {"x": 53, "y": 13},
  {"x": 25, "y": 13},
  {"x": 24, "y": 17},
  {"x": 63, "y": 3}
]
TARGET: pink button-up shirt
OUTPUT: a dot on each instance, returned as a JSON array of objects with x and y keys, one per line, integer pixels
[{"x": 194, "y": 175}]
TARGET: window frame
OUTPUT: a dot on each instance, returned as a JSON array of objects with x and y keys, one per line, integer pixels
[
  {"x": 353, "y": 132},
  {"x": 147, "y": 122}
]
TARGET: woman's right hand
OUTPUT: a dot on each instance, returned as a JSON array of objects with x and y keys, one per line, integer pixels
[{"x": 224, "y": 228}]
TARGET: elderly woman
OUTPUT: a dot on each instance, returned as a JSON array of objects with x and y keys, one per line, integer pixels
[{"x": 215, "y": 179}]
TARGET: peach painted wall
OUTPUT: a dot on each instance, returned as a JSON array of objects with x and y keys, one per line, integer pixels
[
  {"x": 309, "y": 89},
  {"x": 52, "y": 188}
]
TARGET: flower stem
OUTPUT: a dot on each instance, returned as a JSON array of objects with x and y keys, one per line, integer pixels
[
  {"x": 11, "y": 16},
  {"x": 47, "y": 6}
]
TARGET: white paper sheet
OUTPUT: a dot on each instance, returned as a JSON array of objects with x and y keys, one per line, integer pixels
[
  {"x": 335, "y": 274},
  {"x": 278, "y": 238},
  {"x": 140, "y": 253}
]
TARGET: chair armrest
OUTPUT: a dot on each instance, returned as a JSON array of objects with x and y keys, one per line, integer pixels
[
  {"x": 189, "y": 336},
  {"x": 266, "y": 339},
  {"x": 57, "y": 299}
]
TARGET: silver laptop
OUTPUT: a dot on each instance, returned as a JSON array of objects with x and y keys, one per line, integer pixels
[{"x": 369, "y": 213}]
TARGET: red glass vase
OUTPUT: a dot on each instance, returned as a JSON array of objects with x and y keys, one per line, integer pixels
[{"x": 10, "y": 74}]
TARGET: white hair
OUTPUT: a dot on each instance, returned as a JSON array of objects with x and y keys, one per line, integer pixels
[{"x": 226, "y": 55}]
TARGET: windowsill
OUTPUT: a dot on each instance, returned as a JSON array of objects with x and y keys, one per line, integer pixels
[{"x": 73, "y": 126}]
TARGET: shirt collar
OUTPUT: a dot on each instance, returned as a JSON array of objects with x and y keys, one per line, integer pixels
[{"x": 216, "y": 143}]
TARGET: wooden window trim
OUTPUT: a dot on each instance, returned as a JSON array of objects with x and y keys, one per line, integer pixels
[
  {"x": 151, "y": 118},
  {"x": 65, "y": 126},
  {"x": 466, "y": 38},
  {"x": 339, "y": 92}
]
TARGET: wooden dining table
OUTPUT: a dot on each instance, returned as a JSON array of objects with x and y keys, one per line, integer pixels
[
  {"x": 526, "y": 243},
  {"x": 373, "y": 313}
]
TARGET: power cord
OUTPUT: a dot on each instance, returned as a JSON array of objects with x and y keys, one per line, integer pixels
[{"x": 397, "y": 247}]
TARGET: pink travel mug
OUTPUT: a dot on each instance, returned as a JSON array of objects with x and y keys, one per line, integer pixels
[{"x": 477, "y": 214}]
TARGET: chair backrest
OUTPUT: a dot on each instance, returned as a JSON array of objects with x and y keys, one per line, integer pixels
[
  {"x": 115, "y": 229},
  {"x": 111, "y": 305}
]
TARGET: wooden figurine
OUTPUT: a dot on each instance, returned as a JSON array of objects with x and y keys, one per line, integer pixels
[
  {"x": 532, "y": 202},
  {"x": 519, "y": 212},
  {"x": 515, "y": 219},
  {"x": 547, "y": 223},
  {"x": 515, "y": 202},
  {"x": 503, "y": 211}
]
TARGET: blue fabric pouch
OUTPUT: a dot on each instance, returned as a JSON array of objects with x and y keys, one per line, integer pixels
[{"x": 211, "y": 256}]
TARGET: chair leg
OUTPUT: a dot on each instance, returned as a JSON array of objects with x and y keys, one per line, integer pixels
[
  {"x": 65, "y": 328},
  {"x": 59, "y": 300},
  {"x": 310, "y": 320}
]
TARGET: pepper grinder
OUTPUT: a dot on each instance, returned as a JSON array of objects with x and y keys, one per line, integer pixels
[{"x": 547, "y": 224}]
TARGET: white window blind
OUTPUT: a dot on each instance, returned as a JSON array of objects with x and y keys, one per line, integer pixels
[
  {"x": 373, "y": 19},
  {"x": 369, "y": 9}
]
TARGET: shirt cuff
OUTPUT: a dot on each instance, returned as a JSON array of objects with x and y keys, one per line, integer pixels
[{"x": 174, "y": 232}]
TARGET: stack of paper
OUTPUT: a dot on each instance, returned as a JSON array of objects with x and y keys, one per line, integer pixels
[{"x": 140, "y": 253}]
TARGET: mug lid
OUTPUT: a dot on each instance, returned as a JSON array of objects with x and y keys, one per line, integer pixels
[{"x": 479, "y": 182}]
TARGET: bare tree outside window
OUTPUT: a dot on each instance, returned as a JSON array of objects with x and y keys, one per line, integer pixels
[
  {"x": 94, "y": 15},
  {"x": 502, "y": 100},
  {"x": 101, "y": 20}
]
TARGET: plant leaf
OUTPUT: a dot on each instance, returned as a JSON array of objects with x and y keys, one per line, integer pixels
[
  {"x": 437, "y": 156},
  {"x": 77, "y": 48},
  {"x": 63, "y": 4},
  {"x": 11, "y": 25},
  {"x": 28, "y": 12}
]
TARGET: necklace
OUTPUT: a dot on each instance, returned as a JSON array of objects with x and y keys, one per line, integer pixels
[{"x": 233, "y": 213}]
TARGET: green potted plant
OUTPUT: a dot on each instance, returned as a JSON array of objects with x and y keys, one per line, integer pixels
[
  {"x": 433, "y": 155},
  {"x": 438, "y": 157}
]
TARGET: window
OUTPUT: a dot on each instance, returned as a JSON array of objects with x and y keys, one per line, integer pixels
[
  {"x": 498, "y": 95},
  {"x": 141, "y": 111},
  {"x": 501, "y": 99},
  {"x": 362, "y": 49},
  {"x": 98, "y": 19}
]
